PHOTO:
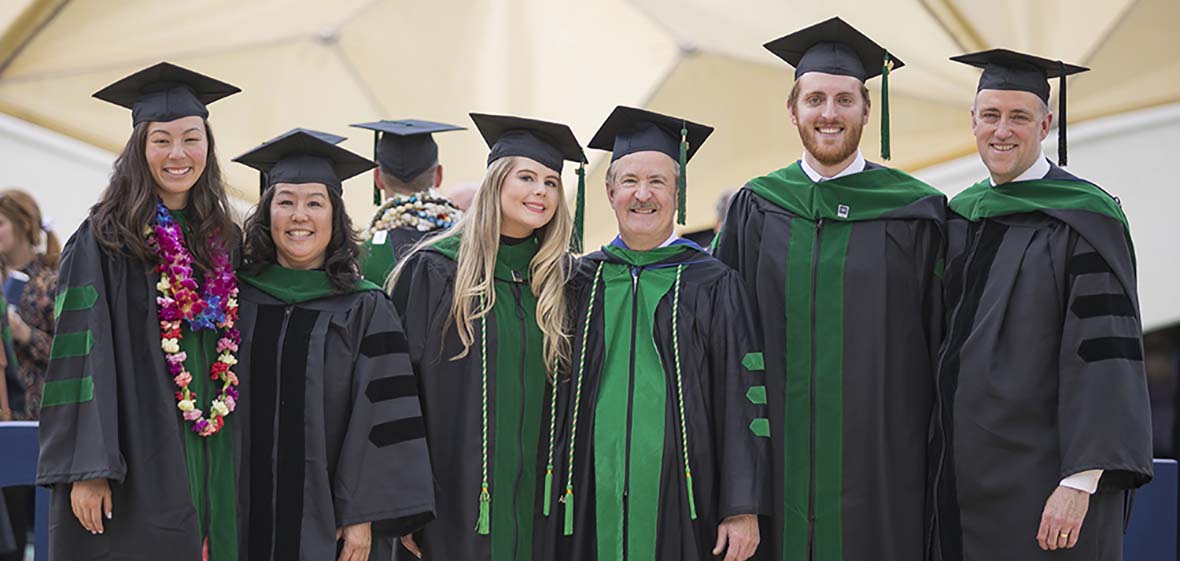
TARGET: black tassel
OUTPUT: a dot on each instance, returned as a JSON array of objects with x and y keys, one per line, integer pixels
[
  {"x": 378, "y": 197},
  {"x": 1062, "y": 158}
]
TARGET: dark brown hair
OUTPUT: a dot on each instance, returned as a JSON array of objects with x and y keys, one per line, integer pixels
[
  {"x": 21, "y": 209},
  {"x": 128, "y": 205},
  {"x": 341, "y": 261}
]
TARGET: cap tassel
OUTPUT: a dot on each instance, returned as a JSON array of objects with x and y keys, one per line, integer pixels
[
  {"x": 682, "y": 181},
  {"x": 1062, "y": 159},
  {"x": 886, "y": 64},
  {"x": 579, "y": 211},
  {"x": 377, "y": 195}
]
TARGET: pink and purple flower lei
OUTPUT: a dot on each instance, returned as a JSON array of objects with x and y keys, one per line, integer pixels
[{"x": 215, "y": 308}]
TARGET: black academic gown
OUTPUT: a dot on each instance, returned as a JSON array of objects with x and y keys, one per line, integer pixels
[
  {"x": 518, "y": 410},
  {"x": 109, "y": 411},
  {"x": 1044, "y": 360},
  {"x": 379, "y": 260},
  {"x": 845, "y": 276},
  {"x": 331, "y": 425},
  {"x": 644, "y": 511}
]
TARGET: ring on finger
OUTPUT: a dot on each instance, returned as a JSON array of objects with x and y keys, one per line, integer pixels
[{"x": 1063, "y": 536}]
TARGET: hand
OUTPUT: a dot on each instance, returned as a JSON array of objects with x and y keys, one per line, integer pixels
[
  {"x": 20, "y": 330},
  {"x": 409, "y": 543},
  {"x": 740, "y": 534},
  {"x": 1061, "y": 522},
  {"x": 357, "y": 541},
  {"x": 91, "y": 503}
]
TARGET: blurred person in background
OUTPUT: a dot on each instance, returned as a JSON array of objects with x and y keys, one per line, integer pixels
[{"x": 30, "y": 282}]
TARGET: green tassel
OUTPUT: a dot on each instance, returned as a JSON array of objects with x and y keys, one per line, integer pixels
[
  {"x": 885, "y": 153},
  {"x": 579, "y": 211},
  {"x": 377, "y": 198},
  {"x": 682, "y": 181},
  {"x": 548, "y": 490},
  {"x": 485, "y": 500},
  {"x": 692, "y": 504},
  {"x": 569, "y": 511}
]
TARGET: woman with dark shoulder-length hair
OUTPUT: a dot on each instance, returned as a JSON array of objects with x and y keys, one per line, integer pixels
[
  {"x": 139, "y": 391},
  {"x": 334, "y": 461},
  {"x": 484, "y": 305}
]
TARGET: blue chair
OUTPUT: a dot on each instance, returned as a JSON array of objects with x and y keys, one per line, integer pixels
[
  {"x": 1151, "y": 535},
  {"x": 18, "y": 440}
]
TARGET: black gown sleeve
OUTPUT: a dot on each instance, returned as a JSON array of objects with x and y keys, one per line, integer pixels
[
  {"x": 1103, "y": 406},
  {"x": 741, "y": 420},
  {"x": 383, "y": 475},
  {"x": 79, "y": 429}
]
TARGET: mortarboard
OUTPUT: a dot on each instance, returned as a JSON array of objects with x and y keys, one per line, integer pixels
[
  {"x": 165, "y": 92},
  {"x": 305, "y": 156},
  {"x": 1009, "y": 70},
  {"x": 404, "y": 148}
]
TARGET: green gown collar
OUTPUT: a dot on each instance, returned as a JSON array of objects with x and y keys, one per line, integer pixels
[
  {"x": 868, "y": 195},
  {"x": 649, "y": 257},
  {"x": 982, "y": 200},
  {"x": 295, "y": 286},
  {"x": 512, "y": 260}
]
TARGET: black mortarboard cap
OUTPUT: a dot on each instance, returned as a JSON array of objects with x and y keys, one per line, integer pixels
[
  {"x": 1009, "y": 70},
  {"x": 629, "y": 130},
  {"x": 404, "y": 148},
  {"x": 305, "y": 156},
  {"x": 549, "y": 144},
  {"x": 834, "y": 47},
  {"x": 165, "y": 92}
]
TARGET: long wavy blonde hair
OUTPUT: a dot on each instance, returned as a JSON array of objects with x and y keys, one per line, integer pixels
[{"x": 479, "y": 240}]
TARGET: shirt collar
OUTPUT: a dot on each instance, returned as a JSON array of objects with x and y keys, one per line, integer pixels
[
  {"x": 618, "y": 241},
  {"x": 857, "y": 166},
  {"x": 1038, "y": 170}
]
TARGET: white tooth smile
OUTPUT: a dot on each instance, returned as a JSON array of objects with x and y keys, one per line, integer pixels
[
  {"x": 535, "y": 206},
  {"x": 830, "y": 130},
  {"x": 177, "y": 171},
  {"x": 1004, "y": 147},
  {"x": 644, "y": 210},
  {"x": 299, "y": 233}
]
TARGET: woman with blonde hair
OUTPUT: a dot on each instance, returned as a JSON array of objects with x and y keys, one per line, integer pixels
[{"x": 484, "y": 310}]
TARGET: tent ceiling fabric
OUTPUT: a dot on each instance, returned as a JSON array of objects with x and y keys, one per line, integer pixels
[{"x": 325, "y": 65}]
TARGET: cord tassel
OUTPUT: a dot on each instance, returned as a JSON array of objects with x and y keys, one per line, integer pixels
[
  {"x": 569, "y": 511},
  {"x": 548, "y": 490},
  {"x": 1062, "y": 157},
  {"x": 482, "y": 525},
  {"x": 692, "y": 504},
  {"x": 682, "y": 181},
  {"x": 579, "y": 211},
  {"x": 885, "y": 66}
]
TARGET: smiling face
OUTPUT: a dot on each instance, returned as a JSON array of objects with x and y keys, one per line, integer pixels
[
  {"x": 528, "y": 198},
  {"x": 642, "y": 192},
  {"x": 830, "y": 112},
  {"x": 1009, "y": 127},
  {"x": 176, "y": 153},
  {"x": 301, "y": 224}
]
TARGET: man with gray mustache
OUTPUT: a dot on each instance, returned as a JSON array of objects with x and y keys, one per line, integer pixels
[
  {"x": 843, "y": 258},
  {"x": 667, "y": 437}
]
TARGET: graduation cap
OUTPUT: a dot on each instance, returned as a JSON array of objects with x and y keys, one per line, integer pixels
[
  {"x": 305, "y": 156},
  {"x": 549, "y": 144},
  {"x": 404, "y": 148},
  {"x": 165, "y": 92},
  {"x": 1009, "y": 70},
  {"x": 834, "y": 47},
  {"x": 629, "y": 130}
]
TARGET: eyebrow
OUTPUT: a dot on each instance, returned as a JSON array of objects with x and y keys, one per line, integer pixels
[{"x": 291, "y": 193}]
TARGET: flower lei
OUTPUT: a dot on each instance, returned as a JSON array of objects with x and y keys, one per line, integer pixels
[
  {"x": 422, "y": 211},
  {"x": 215, "y": 308}
]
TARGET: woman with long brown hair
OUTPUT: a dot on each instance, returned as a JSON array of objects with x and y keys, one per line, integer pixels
[
  {"x": 30, "y": 282},
  {"x": 139, "y": 391},
  {"x": 485, "y": 314}
]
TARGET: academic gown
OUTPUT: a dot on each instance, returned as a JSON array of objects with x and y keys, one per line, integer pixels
[
  {"x": 1044, "y": 362},
  {"x": 664, "y": 372},
  {"x": 332, "y": 429},
  {"x": 845, "y": 276},
  {"x": 505, "y": 363},
  {"x": 109, "y": 411}
]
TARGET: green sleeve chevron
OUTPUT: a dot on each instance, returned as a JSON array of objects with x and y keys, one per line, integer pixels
[
  {"x": 66, "y": 392},
  {"x": 68, "y": 345},
  {"x": 757, "y": 395},
  {"x": 753, "y": 362},
  {"x": 760, "y": 427},
  {"x": 74, "y": 299}
]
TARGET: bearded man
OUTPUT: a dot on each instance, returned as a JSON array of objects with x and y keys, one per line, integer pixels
[{"x": 843, "y": 259}]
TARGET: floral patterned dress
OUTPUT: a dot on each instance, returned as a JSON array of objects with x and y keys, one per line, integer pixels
[{"x": 36, "y": 309}]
